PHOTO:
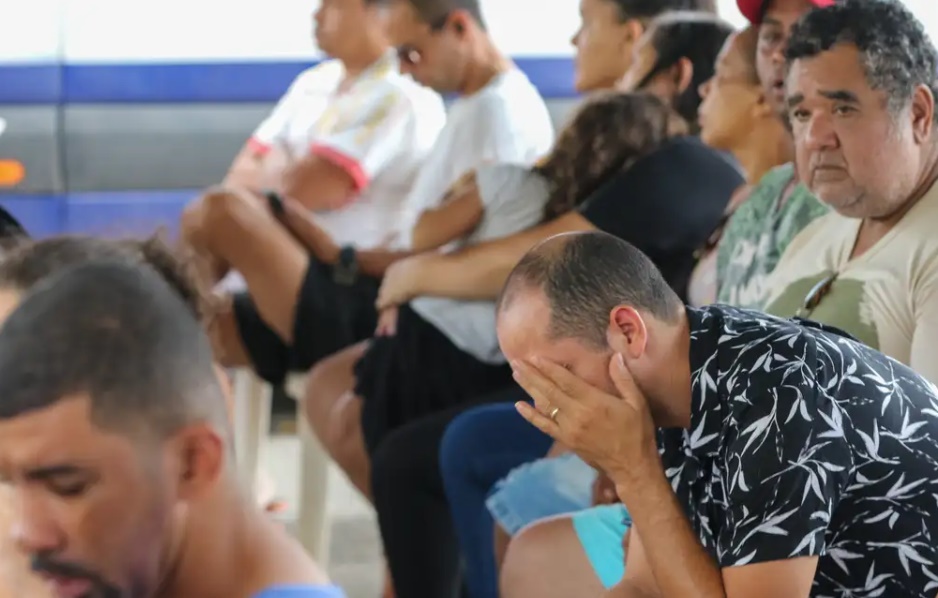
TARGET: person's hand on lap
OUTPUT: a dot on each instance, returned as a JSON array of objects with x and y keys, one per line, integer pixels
[
  {"x": 399, "y": 284},
  {"x": 387, "y": 322}
]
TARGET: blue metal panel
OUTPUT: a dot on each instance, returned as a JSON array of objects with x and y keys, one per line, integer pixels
[
  {"x": 30, "y": 83},
  {"x": 183, "y": 83},
  {"x": 232, "y": 82},
  {"x": 40, "y": 215},
  {"x": 125, "y": 213},
  {"x": 119, "y": 213}
]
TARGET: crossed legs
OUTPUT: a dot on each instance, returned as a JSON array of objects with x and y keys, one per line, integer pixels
[{"x": 233, "y": 229}]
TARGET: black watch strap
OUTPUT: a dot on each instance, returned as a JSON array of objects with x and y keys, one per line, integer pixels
[
  {"x": 345, "y": 271},
  {"x": 275, "y": 202}
]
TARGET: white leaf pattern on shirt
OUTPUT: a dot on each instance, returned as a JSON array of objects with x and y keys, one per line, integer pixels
[{"x": 804, "y": 442}]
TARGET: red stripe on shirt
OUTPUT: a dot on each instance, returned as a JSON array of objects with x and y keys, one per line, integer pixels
[
  {"x": 349, "y": 164},
  {"x": 258, "y": 147}
]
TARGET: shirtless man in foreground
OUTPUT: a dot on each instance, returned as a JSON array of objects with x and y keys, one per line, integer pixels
[{"x": 116, "y": 448}]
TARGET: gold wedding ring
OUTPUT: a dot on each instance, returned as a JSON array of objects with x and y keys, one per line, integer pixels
[{"x": 553, "y": 414}]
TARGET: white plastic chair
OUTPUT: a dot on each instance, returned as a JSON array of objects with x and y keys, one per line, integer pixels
[{"x": 252, "y": 428}]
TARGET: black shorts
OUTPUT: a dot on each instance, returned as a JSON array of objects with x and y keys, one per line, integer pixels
[
  {"x": 329, "y": 318},
  {"x": 415, "y": 373}
]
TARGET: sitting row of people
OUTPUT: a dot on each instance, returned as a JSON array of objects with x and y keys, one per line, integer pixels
[
  {"x": 593, "y": 539},
  {"x": 821, "y": 107},
  {"x": 384, "y": 407}
]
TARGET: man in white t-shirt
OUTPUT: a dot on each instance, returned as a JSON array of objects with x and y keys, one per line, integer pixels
[
  {"x": 498, "y": 116},
  {"x": 345, "y": 143}
]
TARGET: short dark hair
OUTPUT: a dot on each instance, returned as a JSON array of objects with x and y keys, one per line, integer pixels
[
  {"x": 696, "y": 36},
  {"x": 584, "y": 276},
  {"x": 29, "y": 262},
  {"x": 119, "y": 334},
  {"x": 896, "y": 51},
  {"x": 432, "y": 11},
  {"x": 649, "y": 9}
]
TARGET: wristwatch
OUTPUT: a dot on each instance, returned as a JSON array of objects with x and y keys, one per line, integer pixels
[
  {"x": 345, "y": 271},
  {"x": 275, "y": 202}
]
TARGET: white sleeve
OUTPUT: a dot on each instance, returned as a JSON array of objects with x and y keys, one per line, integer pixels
[
  {"x": 273, "y": 129},
  {"x": 514, "y": 198},
  {"x": 367, "y": 141},
  {"x": 510, "y": 132}
]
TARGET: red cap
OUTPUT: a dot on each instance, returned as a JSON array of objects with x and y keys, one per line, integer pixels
[{"x": 753, "y": 9}]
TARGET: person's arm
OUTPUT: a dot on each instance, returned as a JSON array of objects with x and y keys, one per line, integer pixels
[
  {"x": 262, "y": 159},
  {"x": 302, "y": 224},
  {"x": 319, "y": 183},
  {"x": 341, "y": 164},
  {"x": 772, "y": 534},
  {"x": 682, "y": 568},
  {"x": 474, "y": 273},
  {"x": 459, "y": 214},
  {"x": 772, "y": 580},
  {"x": 247, "y": 170}
]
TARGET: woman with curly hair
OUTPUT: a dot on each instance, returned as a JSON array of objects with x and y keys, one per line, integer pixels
[
  {"x": 630, "y": 172},
  {"x": 665, "y": 201},
  {"x": 396, "y": 376}
]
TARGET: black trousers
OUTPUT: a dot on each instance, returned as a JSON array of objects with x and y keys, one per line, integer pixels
[
  {"x": 416, "y": 373},
  {"x": 329, "y": 318},
  {"x": 419, "y": 538}
]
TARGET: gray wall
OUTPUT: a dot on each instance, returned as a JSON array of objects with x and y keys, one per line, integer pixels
[
  {"x": 136, "y": 147},
  {"x": 32, "y": 137}
]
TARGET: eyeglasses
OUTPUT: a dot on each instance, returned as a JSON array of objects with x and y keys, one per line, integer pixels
[
  {"x": 411, "y": 54},
  {"x": 816, "y": 295}
]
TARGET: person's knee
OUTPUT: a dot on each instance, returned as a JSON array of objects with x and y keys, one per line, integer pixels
[
  {"x": 528, "y": 553},
  {"x": 326, "y": 383},
  {"x": 470, "y": 433},
  {"x": 458, "y": 444},
  {"x": 393, "y": 464},
  {"x": 318, "y": 392},
  {"x": 222, "y": 206},
  {"x": 343, "y": 438},
  {"x": 217, "y": 209}
]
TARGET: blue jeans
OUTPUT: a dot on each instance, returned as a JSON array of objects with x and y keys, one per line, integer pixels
[{"x": 481, "y": 447}]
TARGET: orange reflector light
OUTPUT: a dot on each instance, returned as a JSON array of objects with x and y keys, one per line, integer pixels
[{"x": 11, "y": 172}]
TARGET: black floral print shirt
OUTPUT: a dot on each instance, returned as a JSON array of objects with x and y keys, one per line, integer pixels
[{"x": 804, "y": 442}]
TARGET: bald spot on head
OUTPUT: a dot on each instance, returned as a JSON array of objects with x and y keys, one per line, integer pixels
[
  {"x": 531, "y": 272},
  {"x": 584, "y": 276}
]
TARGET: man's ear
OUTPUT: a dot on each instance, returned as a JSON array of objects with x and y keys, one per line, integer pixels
[
  {"x": 460, "y": 21},
  {"x": 762, "y": 108},
  {"x": 627, "y": 333},
  {"x": 683, "y": 74},
  {"x": 632, "y": 30},
  {"x": 923, "y": 113},
  {"x": 201, "y": 455}
]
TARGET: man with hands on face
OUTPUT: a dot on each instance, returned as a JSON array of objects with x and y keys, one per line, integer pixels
[{"x": 757, "y": 456}]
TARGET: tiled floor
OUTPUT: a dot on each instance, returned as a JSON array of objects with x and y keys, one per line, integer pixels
[{"x": 355, "y": 552}]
